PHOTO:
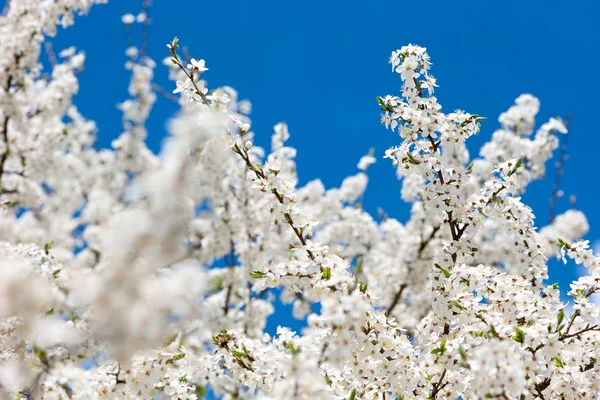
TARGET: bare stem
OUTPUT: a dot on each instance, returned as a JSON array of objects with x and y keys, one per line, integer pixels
[{"x": 562, "y": 158}]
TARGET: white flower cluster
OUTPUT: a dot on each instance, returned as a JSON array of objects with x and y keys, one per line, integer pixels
[{"x": 128, "y": 275}]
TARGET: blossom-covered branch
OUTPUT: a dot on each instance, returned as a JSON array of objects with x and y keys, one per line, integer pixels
[{"x": 128, "y": 274}]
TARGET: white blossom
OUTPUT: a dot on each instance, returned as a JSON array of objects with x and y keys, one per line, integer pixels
[{"x": 126, "y": 274}]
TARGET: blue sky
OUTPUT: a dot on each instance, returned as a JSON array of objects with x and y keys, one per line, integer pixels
[{"x": 318, "y": 65}]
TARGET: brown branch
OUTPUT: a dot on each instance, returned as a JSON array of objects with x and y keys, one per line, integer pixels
[
  {"x": 160, "y": 90},
  {"x": 539, "y": 392},
  {"x": 438, "y": 386},
  {"x": 587, "y": 329},
  {"x": 455, "y": 231},
  {"x": 6, "y": 152},
  {"x": 575, "y": 315},
  {"x": 117, "y": 380},
  {"x": 231, "y": 267},
  {"x": 396, "y": 299},
  {"x": 7, "y": 86},
  {"x": 493, "y": 196},
  {"x": 422, "y": 247},
  {"x": 425, "y": 242},
  {"x": 227, "y": 299}
]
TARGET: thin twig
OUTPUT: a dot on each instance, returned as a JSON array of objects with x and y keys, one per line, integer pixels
[
  {"x": 438, "y": 386},
  {"x": 230, "y": 287},
  {"x": 145, "y": 25},
  {"x": 50, "y": 53},
  {"x": 397, "y": 298},
  {"x": 160, "y": 90},
  {"x": 539, "y": 392},
  {"x": 587, "y": 329},
  {"x": 6, "y": 152},
  {"x": 562, "y": 158},
  {"x": 422, "y": 246}
]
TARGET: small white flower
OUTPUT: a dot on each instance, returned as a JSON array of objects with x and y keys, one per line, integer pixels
[
  {"x": 182, "y": 85},
  {"x": 67, "y": 52},
  {"x": 197, "y": 65},
  {"x": 128, "y": 19}
]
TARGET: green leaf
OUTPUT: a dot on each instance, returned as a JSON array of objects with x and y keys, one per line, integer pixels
[
  {"x": 215, "y": 283},
  {"x": 200, "y": 391},
  {"x": 463, "y": 353},
  {"x": 412, "y": 159},
  {"x": 444, "y": 270},
  {"x": 561, "y": 243},
  {"x": 517, "y": 166},
  {"x": 236, "y": 353},
  {"x": 359, "y": 265},
  {"x": 384, "y": 106},
  {"x": 327, "y": 273},
  {"x": 293, "y": 349},
  {"x": 440, "y": 350},
  {"x": 56, "y": 272},
  {"x": 558, "y": 362},
  {"x": 49, "y": 311},
  {"x": 363, "y": 287},
  {"x": 352, "y": 395},
  {"x": 560, "y": 317},
  {"x": 179, "y": 356},
  {"x": 519, "y": 336},
  {"x": 456, "y": 304},
  {"x": 10, "y": 203},
  {"x": 170, "y": 339},
  {"x": 257, "y": 274},
  {"x": 519, "y": 163},
  {"x": 493, "y": 331},
  {"x": 39, "y": 352},
  {"x": 48, "y": 246}
]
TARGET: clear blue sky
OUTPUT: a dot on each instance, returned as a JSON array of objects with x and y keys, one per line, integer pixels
[{"x": 318, "y": 65}]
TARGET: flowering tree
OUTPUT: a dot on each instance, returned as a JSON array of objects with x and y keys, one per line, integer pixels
[{"x": 130, "y": 275}]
